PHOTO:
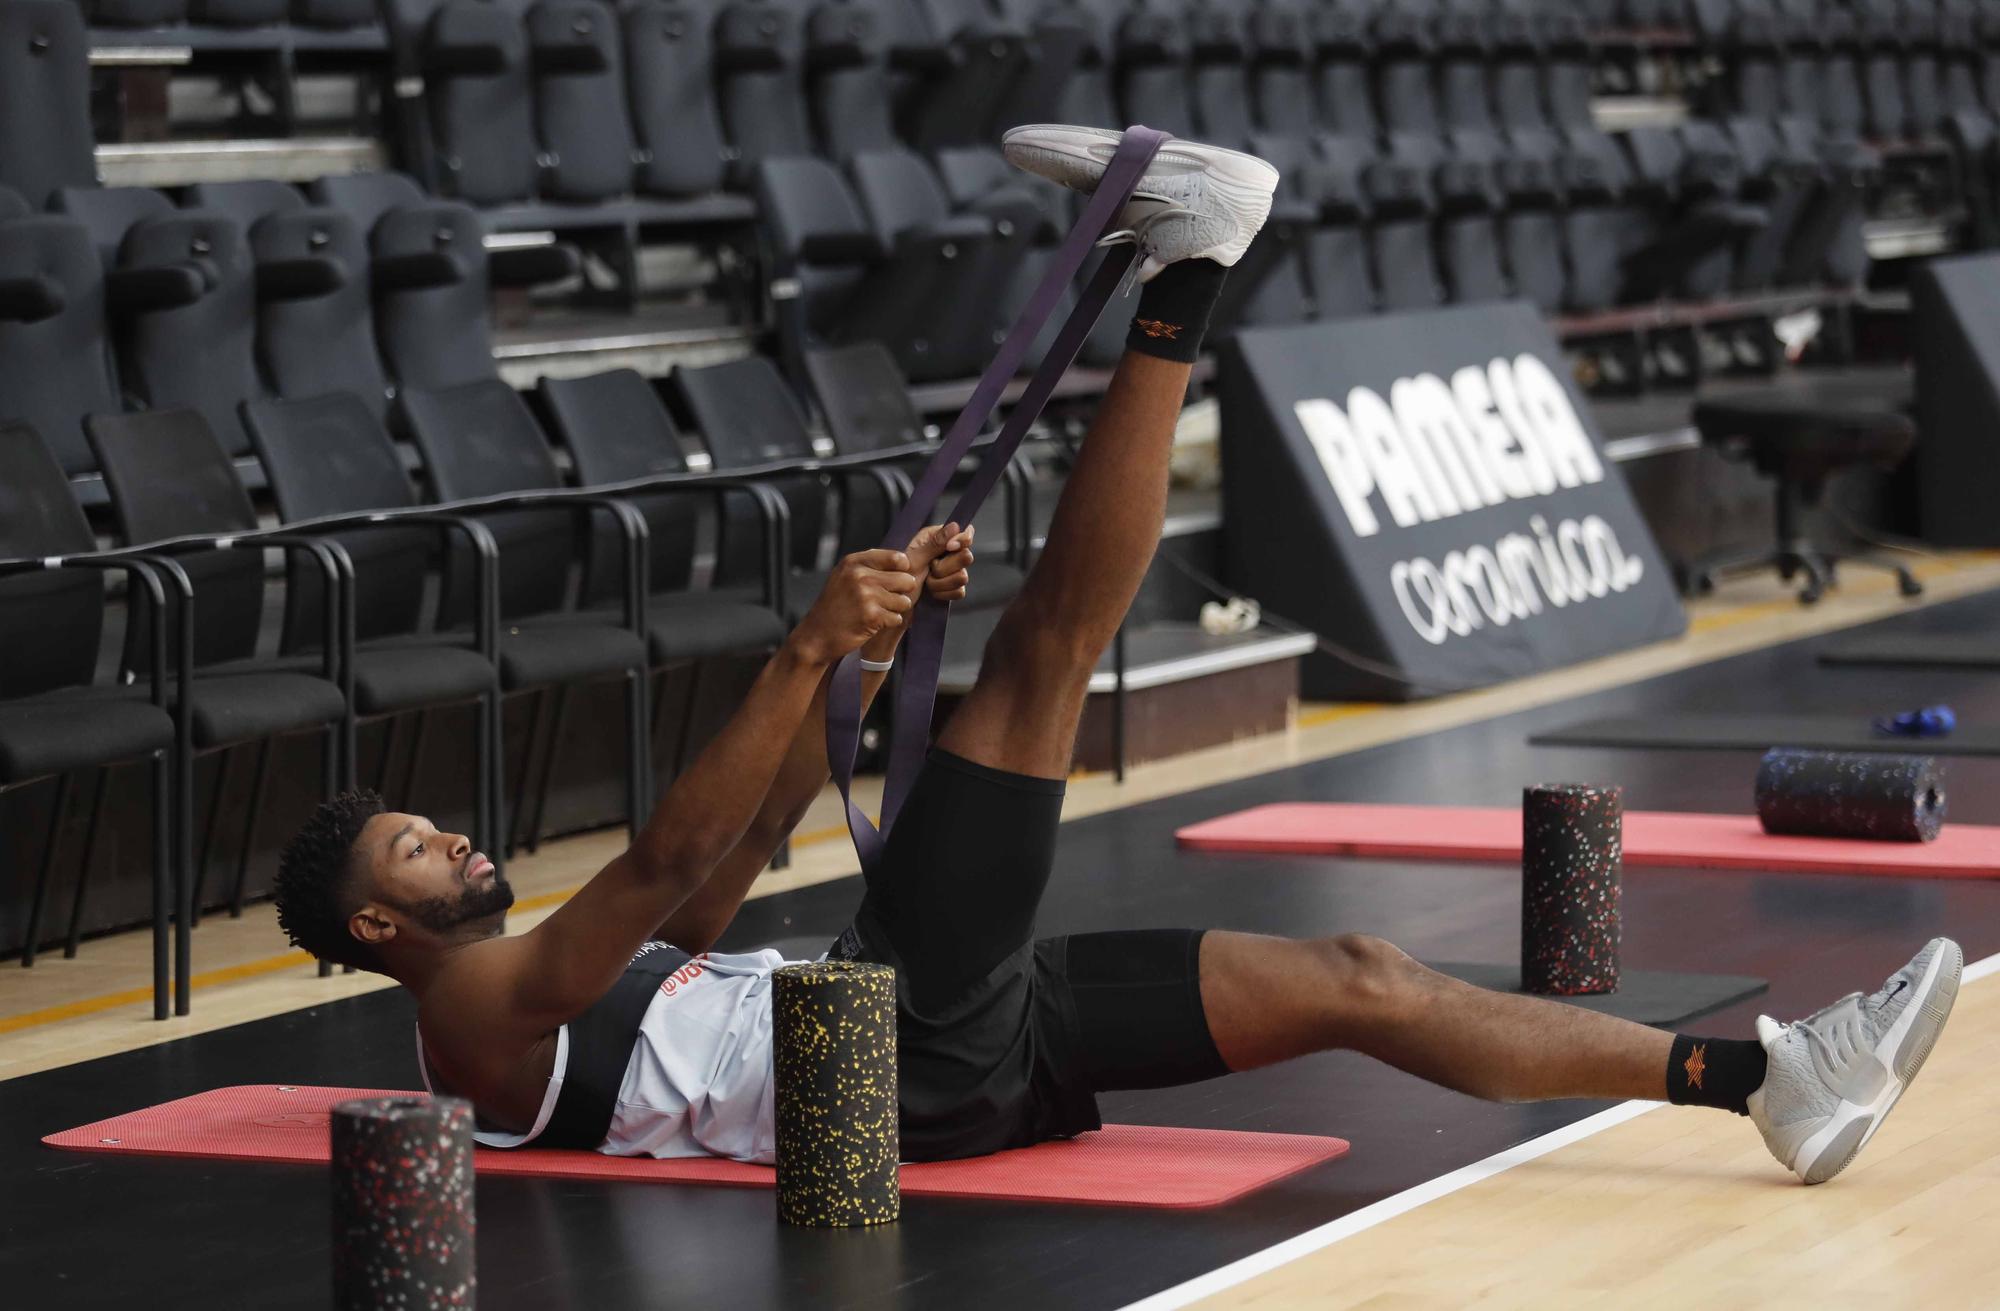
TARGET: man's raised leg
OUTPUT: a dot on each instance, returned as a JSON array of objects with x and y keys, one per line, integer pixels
[
  {"x": 1022, "y": 715},
  {"x": 1192, "y": 217}
]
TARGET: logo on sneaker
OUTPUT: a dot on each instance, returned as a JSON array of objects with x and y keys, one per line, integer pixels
[
  {"x": 1696, "y": 1064},
  {"x": 1158, "y": 328},
  {"x": 1900, "y": 985}
]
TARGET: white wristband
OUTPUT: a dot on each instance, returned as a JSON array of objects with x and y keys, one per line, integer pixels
[{"x": 878, "y": 666}]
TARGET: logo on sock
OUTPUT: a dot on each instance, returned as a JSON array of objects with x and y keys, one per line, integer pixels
[
  {"x": 1695, "y": 1065},
  {"x": 1160, "y": 328}
]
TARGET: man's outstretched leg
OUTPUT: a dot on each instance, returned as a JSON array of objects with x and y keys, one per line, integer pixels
[
  {"x": 1817, "y": 1089},
  {"x": 1193, "y": 216},
  {"x": 1022, "y": 715}
]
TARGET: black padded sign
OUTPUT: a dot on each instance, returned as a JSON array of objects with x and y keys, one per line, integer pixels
[
  {"x": 1429, "y": 491},
  {"x": 1955, "y": 339}
]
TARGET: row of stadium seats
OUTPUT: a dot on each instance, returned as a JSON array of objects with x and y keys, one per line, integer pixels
[
  {"x": 1878, "y": 69},
  {"x": 247, "y": 292},
  {"x": 352, "y": 28},
  {"x": 370, "y": 290},
  {"x": 1435, "y": 153}
]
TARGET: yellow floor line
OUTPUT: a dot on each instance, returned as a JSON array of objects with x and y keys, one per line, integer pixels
[
  {"x": 1343, "y": 710},
  {"x": 1743, "y": 614},
  {"x": 70, "y": 1010},
  {"x": 1731, "y": 618}
]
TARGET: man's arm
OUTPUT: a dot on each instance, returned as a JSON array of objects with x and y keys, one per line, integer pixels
[
  {"x": 568, "y": 961},
  {"x": 944, "y": 557}
]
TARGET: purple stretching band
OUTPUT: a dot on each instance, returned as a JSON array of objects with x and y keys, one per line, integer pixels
[{"x": 923, "y": 646}]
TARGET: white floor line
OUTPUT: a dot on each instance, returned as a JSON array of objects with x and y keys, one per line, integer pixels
[{"x": 1354, "y": 1222}]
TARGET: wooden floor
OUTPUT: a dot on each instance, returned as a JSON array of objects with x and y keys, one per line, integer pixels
[
  {"x": 1679, "y": 1209},
  {"x": 62, "y": 1011}
]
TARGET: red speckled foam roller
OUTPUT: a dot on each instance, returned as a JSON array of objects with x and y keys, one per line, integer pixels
[
  {"x": 402, "y": 1203},
  {"x": 1572, "y": 838},
  {"x": 1850, "y": 794}
]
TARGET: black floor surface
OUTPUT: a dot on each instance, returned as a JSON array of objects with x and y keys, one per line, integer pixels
[{"x": 79, "y": 1231}]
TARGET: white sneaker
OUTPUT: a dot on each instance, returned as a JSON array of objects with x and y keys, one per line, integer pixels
[
  {"x": 1833, "y": 1077},
  {"x": 1195, "y": 202}
]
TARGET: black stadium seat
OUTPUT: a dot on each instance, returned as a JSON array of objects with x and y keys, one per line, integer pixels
[
  {"x": 247, "y": 202},
  {"x": 1152, "y": 54},
  {"x": 138, "y": 13},
  {"x": 959, "y": 59},
  {"x": 53, "y": 350},
  {"x": 1403, "y": 207},
  {"x": 583, "y": 127},
  {"x": 479, "y": 82},
  {"x": 1343, "y": 32},
  {"x": 746, "y": 415},
  {"x": 169, "y": 479},
  {"x": 479, "y": 439},
  {"x": 1218, "y": 45},
  {"x": 311, "y": 345},
  {"x": 45, "y": 134},
  {"x": 907, "y": 206},
  {"x": 667, "y": 76},
  {"x": 1678, "y": 235},
  {"x": 56, "y": 717},
  {"x": 883, "y": 276},
  {"x": 196, "y": 346},
  {"x": 760, "y": 84},
  {"x": 848, "y": 79},
  {"x": 1339, "y": 267},
  {"x": 109, "y": 213},
  {"x": 1280, "y": 54},
  {"x": 868, "y": 411},
  {"x": 366, "y": 197},
  {"x": 617, "y": 430},
  {"x": 431, "y": 295},
  {"x": 1061, "y": 36},
  {"x": 1087, "y": 95}
]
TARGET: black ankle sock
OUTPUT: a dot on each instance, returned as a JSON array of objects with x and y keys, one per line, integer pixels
[
  {"x": 1174, "y": 309},
  {"x": 1718, "y": 1072}
]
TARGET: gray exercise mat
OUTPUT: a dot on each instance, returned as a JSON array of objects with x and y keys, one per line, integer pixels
[
  {"x": 1696, "y": 732},
  {"x": 1918, "y": 650},
  {"x": 1643, "y": 996}
]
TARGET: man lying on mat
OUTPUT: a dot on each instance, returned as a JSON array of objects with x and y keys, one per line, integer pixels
[{"x": 612, "y": 1027}]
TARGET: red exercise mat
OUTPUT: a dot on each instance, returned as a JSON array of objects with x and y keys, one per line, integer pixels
[
  {"x": 1120, "y": 1165},
  {"x": 1967, "y": 851}
]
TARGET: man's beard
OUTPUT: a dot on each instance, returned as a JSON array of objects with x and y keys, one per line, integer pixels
[{"x": 441, "y": 915}]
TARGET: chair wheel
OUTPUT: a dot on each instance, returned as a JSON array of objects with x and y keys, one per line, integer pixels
[
  {"x": 1811, "y": 593},
  {"x": 1907, "y": 584},
  {"x": 1701, "y": 584}
]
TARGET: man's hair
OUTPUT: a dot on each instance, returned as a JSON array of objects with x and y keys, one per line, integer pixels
[{"x": 316, "y": 874}]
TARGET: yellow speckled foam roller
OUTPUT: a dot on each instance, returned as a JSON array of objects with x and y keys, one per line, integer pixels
[{"x": 837, "y": 1138}]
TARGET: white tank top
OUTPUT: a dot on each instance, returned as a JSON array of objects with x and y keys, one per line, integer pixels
[{"x": 700, "y": 1078}]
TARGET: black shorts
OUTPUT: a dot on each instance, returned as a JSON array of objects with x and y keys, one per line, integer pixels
[{"x": 1004, "y": 1041}]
